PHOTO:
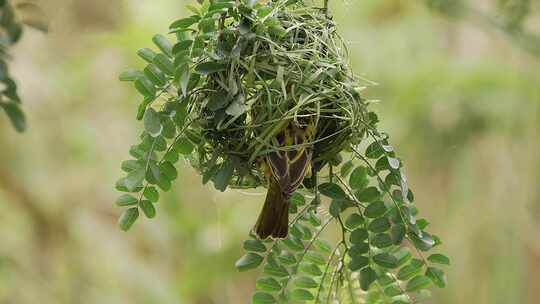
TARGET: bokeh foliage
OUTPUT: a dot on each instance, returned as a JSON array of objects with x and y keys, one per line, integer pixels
[
  {"x": 12, "y": 21},
  {"x": 508, "y": 16}
]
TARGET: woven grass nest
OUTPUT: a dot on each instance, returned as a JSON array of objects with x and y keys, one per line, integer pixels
[{"x": 264, "y": 67}]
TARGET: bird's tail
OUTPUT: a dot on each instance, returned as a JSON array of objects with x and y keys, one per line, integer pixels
[{"x": 274, "y": 218}]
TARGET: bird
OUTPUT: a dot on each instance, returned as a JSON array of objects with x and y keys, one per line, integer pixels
[{"x": 284, "y": 170}]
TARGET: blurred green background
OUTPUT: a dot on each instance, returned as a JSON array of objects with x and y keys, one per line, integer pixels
[{"x": 461, "y": 102}]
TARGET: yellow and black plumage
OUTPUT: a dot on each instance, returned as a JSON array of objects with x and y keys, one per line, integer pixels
[{"x": 285, "y": 171}]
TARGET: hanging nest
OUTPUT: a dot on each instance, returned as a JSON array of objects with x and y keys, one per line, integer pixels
[{"x": 259, "y": 69}]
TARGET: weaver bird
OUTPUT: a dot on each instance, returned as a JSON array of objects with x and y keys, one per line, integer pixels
[{"x": 285, "y": 171}]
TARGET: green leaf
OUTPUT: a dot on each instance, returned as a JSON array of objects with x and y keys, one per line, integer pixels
[
  {"x": 138, "y": 153},
  {"x": 134, "y": 179},
  {"x": 171, "y": 156},
  {"x": 297, "y": 199},
  {"x": 367, "y": 276},
  {"x": 130, "y": 165},
  {"x": 358, "y": 178},
  {"x": 128, "y": 218},
  {"x": 392, "y": 179},
  {"x": 379, "y": 225},
  {"x": 181, "y": 114},
  {"x": 311, "y": 269},
  {"x": 263, "y": 298},
  {"x": 145, "y": 87},
  {"x": 305, "y": 282},
  {"x": 275, "y": 270},
  {"x": 354, "y": 220},
  {"x": 120, "y": 185},
  {"x": 163, "y": 44},
  {"x": 223, "y": 176},
  {"x": 424, "y": 243},
  {"x": 287, "y": 258},
  {"x": 206, "y": 68},
  {"x": 249, "y": 261},
  {"x": 398, "y": 233},
  {"x": 264, "y": 11},
  {"x": 148, "y": 208},
  {"x": 382, "y": 164},
  {"x": 147, "y": 54},
  {"x": 184, "y": 45},
  {"x": 439, "y": 259},
  {"x": 254, "y": 245},
  {"x": 436, "y": 276},
  {"x": 385, "y": 260},
  {"x": 314, "y": 219},
  {"x": 315, "y": 257},
  {"x": 417, "y": 283},
  {"x": 358, "y": 249},
  {"x": 184, "y": 76},
  {"x": 382, "y": 240},
  {"x": 301, "y": 295},
  {"x": 130, "y": 75},
  {"x": 169, "y": 128},
  {"x": 207, "y": 25},
  {"x": 336, "y": 207},
  {"x": 346, "y": 168},
  {"x": 410, "y": 270},
  {"x": 295, "y": 229},
  {"x": 160, "y": 142},
  {"x": 403, "y": 255},
  {"x": 152, "y": 122},
  {"x": 155, "y": 75},
  {"x": 268, "y": 284},
  {"x": 220, "y": 5},
  {"x": 323, "y": 246},
  {"x": 392, "y": 291},
  {"x": 375, "y": 210},
  {"x": 126, "y": 200},
  {"x": 184, "y": 146},
  {"x": 332, "y": 191},
  {"x": 168, "y": 170},
  {"x": 385, "y": 279},
  {"x": 164, "y": 184},
  {"x": 422, "y": 223},
  {"x": 153, "y": 176},
  {"x": 15, "y": 114},
  {"x": 164, "y": 63},
  {"x": 151, "y": 194},
  {"x": 184, "y": 23},
  {"x": 293, "y": 243},
  {"x": 374, "y": 150},
  {"x": 369, "y": 194},
  {"x": 358, "y": 262},
  {"x": 358, "y": 236}
]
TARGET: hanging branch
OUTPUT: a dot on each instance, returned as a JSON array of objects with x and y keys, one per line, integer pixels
[{"x": 248, "y": 85}]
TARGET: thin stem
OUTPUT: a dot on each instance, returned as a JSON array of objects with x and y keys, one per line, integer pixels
[{"x": 334, "y": 252}]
